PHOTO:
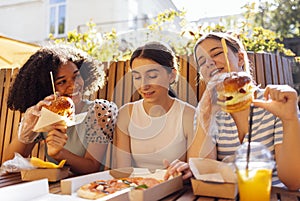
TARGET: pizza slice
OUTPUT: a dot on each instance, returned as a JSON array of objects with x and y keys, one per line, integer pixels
[{"x": 100, "y": 188}]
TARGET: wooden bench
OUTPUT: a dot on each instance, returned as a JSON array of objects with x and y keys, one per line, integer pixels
[{"x": 269, "y": 69}]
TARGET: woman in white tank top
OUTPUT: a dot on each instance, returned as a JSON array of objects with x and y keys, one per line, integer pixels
[{"x": 157, "y": 129}]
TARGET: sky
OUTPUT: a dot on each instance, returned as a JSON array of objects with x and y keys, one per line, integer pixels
[{"x": 197, "y": 9}]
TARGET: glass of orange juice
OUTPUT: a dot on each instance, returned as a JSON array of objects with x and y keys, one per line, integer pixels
[{"x": 255, "y": 176}]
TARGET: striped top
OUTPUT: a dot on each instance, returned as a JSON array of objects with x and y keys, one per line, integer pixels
[{"x": 266, "y": 129}]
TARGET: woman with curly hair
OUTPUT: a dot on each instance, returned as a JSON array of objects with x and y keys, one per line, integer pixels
[{"x": 76, "y": 76}]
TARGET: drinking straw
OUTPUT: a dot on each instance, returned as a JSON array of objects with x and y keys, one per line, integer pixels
[
  {"x": 52, "y": 82},
  {"x": 224, "y": 45},
  {"x": 249, "y": 136}
]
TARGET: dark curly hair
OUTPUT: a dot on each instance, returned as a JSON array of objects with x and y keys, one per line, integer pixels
[{"x": 33, "y": 82}]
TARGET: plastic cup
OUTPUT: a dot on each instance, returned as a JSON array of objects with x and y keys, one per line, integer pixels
[{"x": 254, "y": 180}]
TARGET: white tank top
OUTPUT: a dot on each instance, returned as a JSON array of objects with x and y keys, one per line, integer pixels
[{"x": 154, "y": 139}]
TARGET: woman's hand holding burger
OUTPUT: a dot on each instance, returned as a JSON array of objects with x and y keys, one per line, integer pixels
[
  {"x": 31, "y": 116},
  {"x": 61, "y": 105},
  {"x": 230, "y": 92},
  {"x": 56, "y": 139}
]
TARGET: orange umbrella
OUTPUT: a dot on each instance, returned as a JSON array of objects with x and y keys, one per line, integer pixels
[{"x": 14, "y": 53}]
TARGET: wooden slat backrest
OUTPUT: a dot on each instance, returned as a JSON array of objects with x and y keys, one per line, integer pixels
[
  {"x": 111, "y": 81},
  {"x": 251, "y": 57},
  {"x": 186, "y": 88},
  {"x": 181, "y": 86},
  {"x": 9, "y": 119},
  {"x": 130, "y": 93},
  {"x": 259, "y": 70},
  {"x": 268, "y": 68},
  {"x": 193, "y": 83},
  {"x": 2, "y": 82},
  {"x": 39, "y": 150},
  {"x": 4, "y": 75},
  {"x": 287, "y": 70},
  {"x": 273, "y": 64},
  {"x": 280, "y": 69},
  {"x": 11, "y": 126},
  {"x": 119, "y": 89}
]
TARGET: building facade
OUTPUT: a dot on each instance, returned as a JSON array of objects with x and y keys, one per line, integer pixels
[{"x": 34, "y": 20}]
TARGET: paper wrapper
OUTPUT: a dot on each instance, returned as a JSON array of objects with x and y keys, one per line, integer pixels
[
  {"x": 212, "y": 170},
  {"x": 48, "y": 118},
  {"x": 213, "y": 178}
]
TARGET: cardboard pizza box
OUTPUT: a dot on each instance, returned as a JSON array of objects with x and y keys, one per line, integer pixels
[
  {"x": 71, "y": 185},
  {"x": 25, "y": 191},
  {"x": 52, "y": 175},
  {"x": 213, "y": 178},
  {"x": 31, "y": 191}
]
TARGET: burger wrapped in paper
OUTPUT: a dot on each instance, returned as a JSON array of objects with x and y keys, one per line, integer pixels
[
  {"x": 63, "y": 106},
  {"x": 235, "y": 92},
  {"x": 60, "y": 109}
]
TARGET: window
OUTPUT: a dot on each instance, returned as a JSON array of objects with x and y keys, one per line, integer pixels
[{"x": 57, "y": 17}]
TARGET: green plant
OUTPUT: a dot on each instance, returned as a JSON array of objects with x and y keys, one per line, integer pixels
[
  {"x": 101, "y": 46},
  {"x": 106, "y": 46},
  {"x": 263, "y": 40}
]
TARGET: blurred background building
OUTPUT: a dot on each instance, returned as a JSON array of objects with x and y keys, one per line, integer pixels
[{"x": 34, "y": 20}]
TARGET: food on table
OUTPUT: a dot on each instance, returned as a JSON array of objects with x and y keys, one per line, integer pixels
[
  {"x": 101, "y": 188},
  {"x": 63, "y": 106},
  {"x": 39, "y": 163},
  {"x": 235, "y": 92}
]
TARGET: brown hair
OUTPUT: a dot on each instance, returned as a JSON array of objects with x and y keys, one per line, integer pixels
[
  {"x": 232, "y": 42},
  {"x": 161, "y": 54}
]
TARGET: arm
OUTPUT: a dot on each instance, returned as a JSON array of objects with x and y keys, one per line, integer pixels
[
  {"x": 188, "y": 126},
  {"x": 23, "y": 143},
  {"x": 91, "y": 161},
  {"x": 178, "y": 166},
  {"x": 121, "y": 142},
  {"x": 199, "y": 145},
  {"x": 19, "y": 147},
  {"x": 122, "y": 151},
  {"x": 100, "y": 119},
  {"x": 281, "y": 100},
  {"x": 202, "y": 145}
]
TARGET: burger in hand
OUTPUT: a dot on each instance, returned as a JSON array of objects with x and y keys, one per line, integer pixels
[
  {"x": 235, "y": 92},
  {"x": 63, "y": 106}
]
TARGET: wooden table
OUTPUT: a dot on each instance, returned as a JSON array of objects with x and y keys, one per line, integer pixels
[{"x": 185, "y": 194}]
